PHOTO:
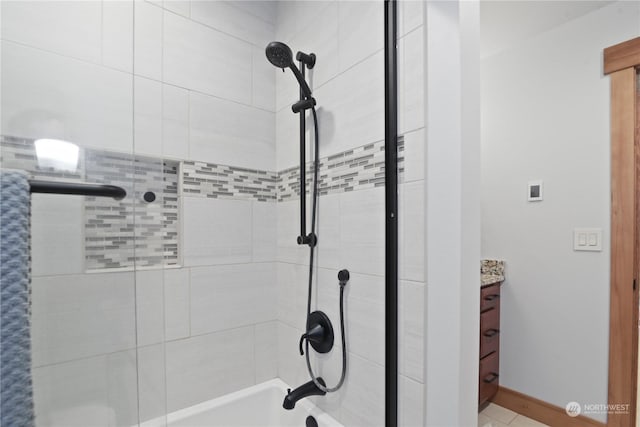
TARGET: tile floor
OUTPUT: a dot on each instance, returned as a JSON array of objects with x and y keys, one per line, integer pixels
[{"x": 497, "y": 416}]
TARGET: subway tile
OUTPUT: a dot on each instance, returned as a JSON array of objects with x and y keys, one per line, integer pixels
[
  {"x": 230, "y": 296},
  {"x": 147, "y": 112},
  {"x": 414, "y": 155},
  {"x": 265, "y": 10},
  {"x": 150, "y": 317},
  {"x": 177, "y": 303},
  {"x": 81, "y": 316},
  {"x": 117, "y": 35},
  {"x": 410, "y": 16},
  {"x": 181, "y": 7},
  {"x": 264, "y": 224},
  {"x": 292, "y": 293},
  {"x": 291, "y": 367},
  {"x": 328, "y": 218},
  {"x": 412, "y": 258},
  {"x": 72, "y": 394},
  {"x": 151, "y": 382},
  {"x": 56, "y": 237},
  {"x": 66, "y": 27},
  {"x": 363, "y": 403},
  {"x": 411, "y": 401},
  {"x": 207, "y": 366},
  {"x": 266, "y": 342},
  {"x": 288, "y": 219},
  {"x": 219, "y": 133},
  {"x": 148, "y": 49},
  {"x": 411, "y": 72},
  {"x": 199, "y": 58},
  {"x": 362, "y": 231},
  {"x": 175, "y": 122},
  {"x": 122, "y": 388},
  {"x": 411, "y": 329},
  {"x": 224, "y": 16},
  {"x": 263, "y": 83},
  {"x": 216, "y": 231},
  {"x": 47, "y": 95},
  {"x": 360, "y": 26}
]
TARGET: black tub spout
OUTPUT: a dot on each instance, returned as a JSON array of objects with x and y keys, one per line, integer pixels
[{"x": 305, "y": 390}]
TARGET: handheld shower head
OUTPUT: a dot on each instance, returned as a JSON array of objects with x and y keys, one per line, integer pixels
[{"x": 280, "y": 55}]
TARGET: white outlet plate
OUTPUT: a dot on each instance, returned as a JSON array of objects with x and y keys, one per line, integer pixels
[{"x": 587, "y": 239}]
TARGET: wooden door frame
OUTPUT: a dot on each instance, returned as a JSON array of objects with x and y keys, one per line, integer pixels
[{"x": 620, "y": 63}]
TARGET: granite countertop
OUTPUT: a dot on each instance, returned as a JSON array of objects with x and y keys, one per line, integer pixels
[{"x": 491, "y": 271}]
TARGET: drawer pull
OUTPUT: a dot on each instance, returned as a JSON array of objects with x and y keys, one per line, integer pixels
[
  {"x": 490, "y": 378},
  {"x": 492, "y": 297},
  {"x": 491, "y": 332}
]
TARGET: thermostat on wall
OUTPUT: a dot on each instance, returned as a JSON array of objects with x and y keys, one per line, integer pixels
[{"x": 535, "y": 191}]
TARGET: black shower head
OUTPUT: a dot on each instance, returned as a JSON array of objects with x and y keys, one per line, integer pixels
[{"x": 279, "y": 54}]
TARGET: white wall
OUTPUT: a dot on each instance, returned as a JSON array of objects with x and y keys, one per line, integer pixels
[
  {"x": 348, "y": 84},
  {"x": 545, "y": 115}
]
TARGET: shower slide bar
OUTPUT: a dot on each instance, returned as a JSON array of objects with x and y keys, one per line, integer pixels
[{"x": 98, "y": 190}]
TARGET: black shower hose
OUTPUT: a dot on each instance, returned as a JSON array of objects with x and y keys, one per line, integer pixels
[{"x": 342, "y": 284}]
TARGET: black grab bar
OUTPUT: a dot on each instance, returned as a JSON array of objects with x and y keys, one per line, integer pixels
[{"x": 98, "y": 190}]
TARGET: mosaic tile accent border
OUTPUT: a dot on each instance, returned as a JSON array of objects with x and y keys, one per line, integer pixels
[
  {"x": 111, "y": 227},
  {"x": 227, "y": 182},
  {"x": 356, "y": 169},
  {"x": 132, "y": 231}
]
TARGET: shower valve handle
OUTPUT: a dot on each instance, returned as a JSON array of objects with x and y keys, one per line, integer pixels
[{"x": 315, "y": 334}]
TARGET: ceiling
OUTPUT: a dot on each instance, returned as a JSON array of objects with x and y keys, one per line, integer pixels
[{"x": 503, "y": 23}]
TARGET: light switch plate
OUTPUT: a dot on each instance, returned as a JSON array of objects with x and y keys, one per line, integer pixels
[{"x": 587, "y": 239}]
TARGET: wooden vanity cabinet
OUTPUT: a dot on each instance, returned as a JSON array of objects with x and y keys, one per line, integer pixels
[{"x": 489, "y": 342}]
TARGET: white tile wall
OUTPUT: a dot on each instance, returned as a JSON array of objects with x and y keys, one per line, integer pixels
[
  {"x": 216, "y": 231},
  {"x": 263, "y": 80},
  {"x": 81, "y": 315},
  {"x": 147, "y": 109},
  {"x": 411, "y": 81},
  {"x": 226, "y": 17},
  {"x": 148, "y": 33},
  {"x": 229, "y": 133},
  {"x": 412, "y": 256},
  {"x": 200, "y": 58},
  {"x": 411, "y": 330},
  {"x": 265, "y": 336},
  {"x": 203, "y": 367},
  {"x": 151, "y": 381},
  {"x": 97, "y": 391},
  {"x": 265, "y": 232},
  {"x": 229, "y": 296},
  {"x": 117, "y": 35},
  {"x": 45, "y": 94},
  {"x": 361, "y": 25},
  {"x": 150, "y": 300},
  {"x": 66, "y": 27},
  {"x": 362, "y": 231},
  {"x": 177, "y": 303},
  {"x": 175, "y": 122},
  {"x": 56, "y": 239}
]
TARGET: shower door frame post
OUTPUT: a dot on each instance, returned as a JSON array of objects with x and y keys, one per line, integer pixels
[
  {"x": 391, "y": 211},
  {"x": 620, "y": 63}
]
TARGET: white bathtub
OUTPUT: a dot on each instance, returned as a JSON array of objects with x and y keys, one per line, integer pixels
[{"x": 256, "y": 406}]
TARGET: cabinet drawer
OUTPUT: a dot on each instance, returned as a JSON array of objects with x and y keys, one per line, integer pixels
[
  {"x": 489, "y": 297},
  {"x": 489, "y": 371},
  {"x": 489, "y": 331}
]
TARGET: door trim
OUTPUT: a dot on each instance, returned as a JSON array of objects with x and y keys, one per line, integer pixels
[{"x": 620, "y": 62}]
